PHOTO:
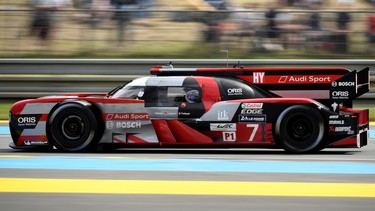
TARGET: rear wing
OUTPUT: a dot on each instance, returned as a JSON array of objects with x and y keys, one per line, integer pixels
[
  {"x": 349, "y": 87},
  {"x": 289, "y": 82}
]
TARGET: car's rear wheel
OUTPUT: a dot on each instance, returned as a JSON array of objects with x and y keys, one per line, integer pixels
[
  {"x": 73, "y": 127},
  {"x": 300, "y": 129}
]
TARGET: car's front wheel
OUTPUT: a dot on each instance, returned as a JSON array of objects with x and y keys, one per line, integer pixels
[
  {"x": 73, "y": 127},
  {"x": 300, "y": 129}
]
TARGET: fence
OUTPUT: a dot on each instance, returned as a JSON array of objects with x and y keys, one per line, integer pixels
[{"x": 186, "y": 34}]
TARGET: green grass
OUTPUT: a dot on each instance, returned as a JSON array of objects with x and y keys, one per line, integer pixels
[
  {"x": 372, "y": 112},
  {"x": 4, "y": 110},
  {"x": 5, "y": 106}
]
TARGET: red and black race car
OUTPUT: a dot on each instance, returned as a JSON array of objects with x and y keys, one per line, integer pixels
[{"x": 297, "y": 109}]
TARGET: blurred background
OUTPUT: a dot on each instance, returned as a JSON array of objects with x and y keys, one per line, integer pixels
[{"x": 187, "y": 28}]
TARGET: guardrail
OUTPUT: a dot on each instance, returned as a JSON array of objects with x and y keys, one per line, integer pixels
[{"x": 26, "y": 78}]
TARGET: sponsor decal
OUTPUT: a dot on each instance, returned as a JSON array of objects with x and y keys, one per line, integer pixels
[
  {"x": 223, "y": 127},
  {"x": 343, "y": 83},
  {"x": 334, "y": 116},
  {"x": 127, "y": 116},
  {"x": 26, "y": 121},
  {"x": 128, "y": 125},
  {"x": 332, "y": 129},
  {"x": 184, "y": 113},
  {"x": 229, "y": 136},
  {"x": 123, "y": 125},
  {"x": 346, "y": 83},
  {"x": 222, "y": 115},
  {"x": 316, "y": 79},
  {"x": 109, "y": 125},
  {"x": 252, "y": 118},
  {"x": 252, "y": 105},
  {"x": 343, "y": 129},
  {"x": 183, "y": 105},
  {"x": 163, "y": 113},
  {"x": 31, "y": 143},
  {"x": 305, "y": 79},
  {"x": 334, "y": 106},
  {"x": 258, "y": 77},
  {"x": 336, "y": 122},
  {"x": 252, "y": 111},
  {"x": 234, "y": 91},
  {"x": 340, "y": 94}
]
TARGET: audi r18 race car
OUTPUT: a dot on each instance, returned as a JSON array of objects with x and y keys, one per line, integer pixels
[{"x": 300, "y": 110}]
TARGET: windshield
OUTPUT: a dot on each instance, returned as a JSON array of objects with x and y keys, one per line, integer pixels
[{"x": 132, "y": 90}]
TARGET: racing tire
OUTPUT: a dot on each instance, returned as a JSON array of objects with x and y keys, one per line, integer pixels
[
  {"x": 300, "y": 129},
  {"x": 73, "y": 127}
]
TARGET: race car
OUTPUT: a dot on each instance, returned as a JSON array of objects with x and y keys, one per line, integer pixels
[{"x": 300, "y": 110}]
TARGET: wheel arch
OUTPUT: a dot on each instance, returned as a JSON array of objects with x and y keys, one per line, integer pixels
[
  {"x": 276, "y": 124},
  {"x": 321, "y": 111},
  {"x": 91, "y": 106},
  {"x": 96, "y": 110}
]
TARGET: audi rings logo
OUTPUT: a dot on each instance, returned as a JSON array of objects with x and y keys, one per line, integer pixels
[{"x": 334, "y": 84}]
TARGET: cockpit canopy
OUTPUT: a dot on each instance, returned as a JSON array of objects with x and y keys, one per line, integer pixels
[
  {"x": 132, "y": 90},
  {"x": 184, "y": 89}
]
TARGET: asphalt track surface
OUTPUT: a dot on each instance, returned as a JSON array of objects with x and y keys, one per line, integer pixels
[{"x": 187, "y": 179}]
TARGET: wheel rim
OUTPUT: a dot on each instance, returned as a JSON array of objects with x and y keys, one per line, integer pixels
[
  {"x": 302, "y": 132},
  {"x": 72, "y": 127},
  {"x": 300, "y": 128}
]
